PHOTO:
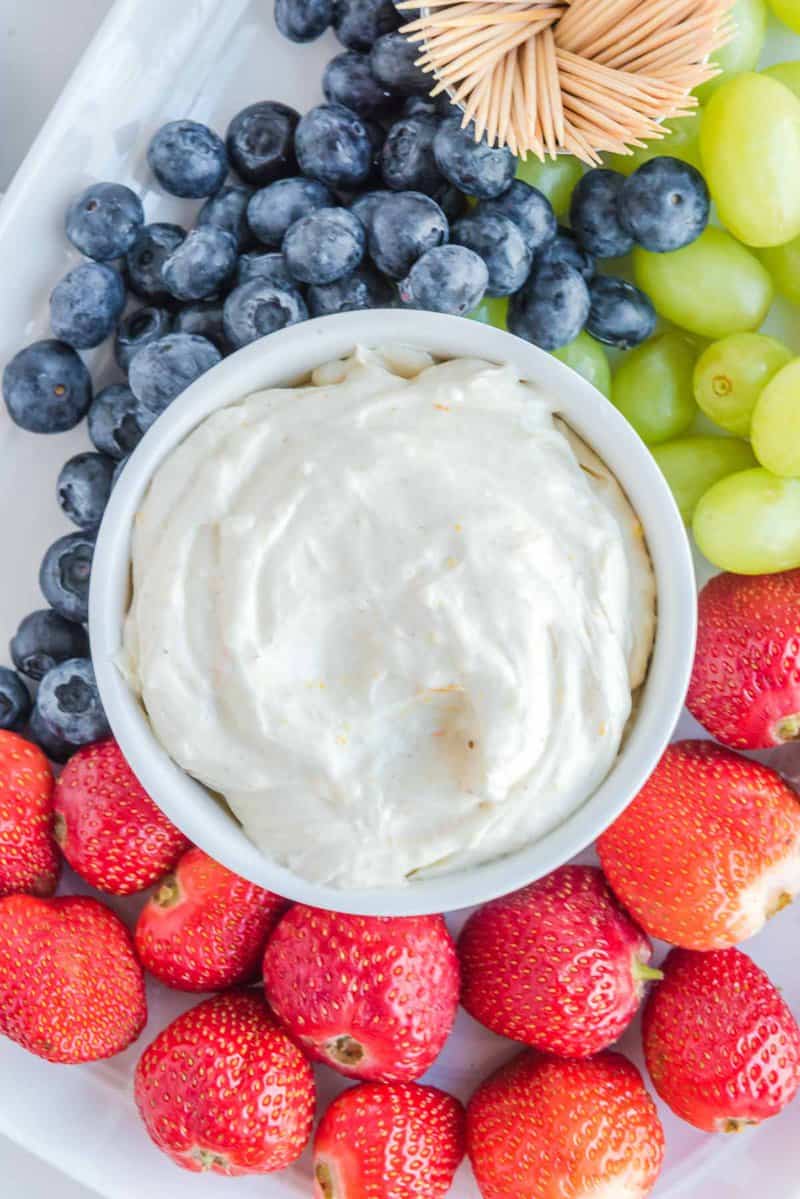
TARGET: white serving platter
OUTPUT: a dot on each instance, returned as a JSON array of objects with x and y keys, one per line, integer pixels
[{"x": 152, "y": 61}]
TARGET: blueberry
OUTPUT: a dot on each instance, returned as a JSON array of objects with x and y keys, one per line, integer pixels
[
  {"x": 303, "y": 20},
  {"x": 165, "y": 368},
  {"x": 392, "y": 60},
  {"x": 258, "y": 308},
  {"x": 664, "y": 204},
  {"x": 204, "y": 319},
  {"x": 500, "y": 244},
  {"x": 453, "y": 203},
  {"x": 431, "y": 106},
  {"x": 147, "y": 255},
  {"x": 364, "y": 288},
  {"x": 137, "y": 329},
  {"x": 620, "y": 315},
  {"x": 474, "y": 167},
  {"x": 364, "y": 205},
  {"x": 269, "y": 266},
  {"x": 552, "y": 306},
  {"x": 530, "y": 211},
  {"x": 227, "y": 210},
  {"x": 200, "y": 266},
  {"x": 64, "y": 575},
  {"x": 45, "y": 638},
  {"x": 56, "y": 749},
  {"x": 565, "y": 247},
  {"x": 377, "y": 139},
  {"x": 83, "y": 488},
  {"x": 348, "y": 80},
  {"x": 260, "y": 142},
  {"x": 68, "y": 703},
  {"x": 401, "y": 228},
  {"x": 333, "y": 145},
  {"x": 103, "y": 221},
  {"x": 47, "y": 388},
  {"x": 188, "y": 159},
  {"x": 117, "y": 421},
  {"x": 324, "y": 246},
  {"x": 15, "y": 702},
  {"x": 274, "y": 208},
  {"x": 446, "y": 279},
  {"x": 407, "y": 161},
  {"x": 359, "y": 23},
  {"x": 86, "y": 304},
  {"x": 594, "y": 214}
]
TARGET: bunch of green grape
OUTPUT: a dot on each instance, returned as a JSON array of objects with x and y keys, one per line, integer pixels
[{"x": 717, "y": 401}]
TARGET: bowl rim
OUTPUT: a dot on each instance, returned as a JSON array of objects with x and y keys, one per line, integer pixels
[{"x": 285, "y": 358}]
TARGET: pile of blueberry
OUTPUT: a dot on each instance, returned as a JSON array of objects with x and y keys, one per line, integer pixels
[{"x": 377, "y": 197}]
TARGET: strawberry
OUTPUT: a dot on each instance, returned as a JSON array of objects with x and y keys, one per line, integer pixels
[
  {"x": 388, "y": 1140},
  {"x": 548, "y": 1128},
  {"x": 29, "y": 857},
  {"x": 721, "y": 1045},
  {"x": 111, "y": 832},
  {"x": 205, "y": 928},
  {"x": 223, "y": 1089},
  {"x": 71, "y": 989},
  {"x": 373, "y": 996},
  {"x": 557, "y": 965},
  {"x": 708, "y": 850},
  {"x": 745, "y": 685}
]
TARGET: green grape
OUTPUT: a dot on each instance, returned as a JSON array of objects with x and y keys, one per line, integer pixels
[
  {"x": 712, "y": 287},
  {"x": 787, "y": 11},
  {"x": 491, "y": 311},
  {"x": 653, "y": 387},
  {"x": 556, "y": 177},
  {"x": 783, "y": 264},
  {"x": 730, "y": 374},
  {"x": 775, "y": 431},
  {"x": 787, "y": 73},
  {"x": 743, "y": 51},
  {"x": 750, "y": 523},
  {"x": 750, "y": 147},
  {"x": 681, "y": 142},
  {"x": 589, "y": 359},
  {"x": 693, "y": 464}
]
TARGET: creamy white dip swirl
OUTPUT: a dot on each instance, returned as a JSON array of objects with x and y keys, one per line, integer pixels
[{"x": 391, "y": 619}]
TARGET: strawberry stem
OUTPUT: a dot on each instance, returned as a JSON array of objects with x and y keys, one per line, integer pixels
[
  {"x": 324, "y": 1177},
  {"x": 208, "y": 1160},
  {"x": 345, "y": 1050},
  {"x": 59, "y": 829},
  {"x": 644, "y": 973},
  {"x": 788, "y": 729},
  {"x": 168, "y": 893}
]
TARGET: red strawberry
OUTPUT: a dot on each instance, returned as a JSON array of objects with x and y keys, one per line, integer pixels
[
  {"x": 745, "y": 685},
  {"x": 71, "y": 989},
  {"x": 29, "y": 857},
  {"x": 549, "y": 1128},
  {"x": 557, "y": 965},
  {"x": 721, "y": 1045},
  {"x": 388, "y": 1140},
  {"x": 205, "y": 928},
  {"x": 709, "y": 848},
  {"x": 111, "y": 832},
  {"x": 223, "y": 1089},
  {"x": 373, "y": 996}
]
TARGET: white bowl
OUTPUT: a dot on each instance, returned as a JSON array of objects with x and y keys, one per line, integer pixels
[{"x": 284, "y": 358}]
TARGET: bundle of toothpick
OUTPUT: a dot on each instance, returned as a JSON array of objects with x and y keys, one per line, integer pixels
[{"x": 582, "y": 76}]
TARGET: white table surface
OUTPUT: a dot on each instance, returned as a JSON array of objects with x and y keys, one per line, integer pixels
[{"x": 40, "y": 42}]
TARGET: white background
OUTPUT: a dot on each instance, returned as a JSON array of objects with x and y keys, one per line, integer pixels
[{"x": 40, "y": 41}]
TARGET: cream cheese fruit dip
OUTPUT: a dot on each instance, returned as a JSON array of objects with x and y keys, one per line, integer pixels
[{"x": 395, "y": 617}]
